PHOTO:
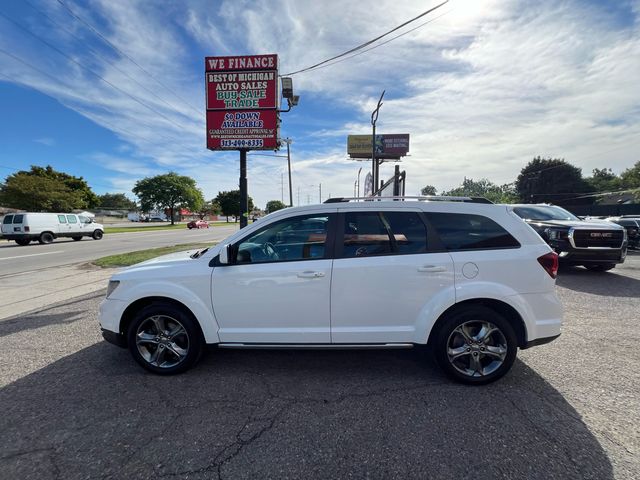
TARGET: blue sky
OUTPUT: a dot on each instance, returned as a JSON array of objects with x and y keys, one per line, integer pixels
[{"x": 482, "y": 89}]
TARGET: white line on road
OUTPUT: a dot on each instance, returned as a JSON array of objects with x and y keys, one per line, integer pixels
[{"x": 31, "y": 255}]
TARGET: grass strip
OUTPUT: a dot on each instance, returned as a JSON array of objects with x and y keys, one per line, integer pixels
[
  {"x": 131, "y": 258},
  {"x": 154, "y": 228}
]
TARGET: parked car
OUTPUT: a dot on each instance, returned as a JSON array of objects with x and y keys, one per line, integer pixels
[
  {"x": 156, "y": 218},
  {"x": 597, "y": 245},
  {"x": 632, "y": 226},
  {"x": 197, "y": 224},
  {"x": 471, "y": 281},
  {"x": 45, "y": 227}
]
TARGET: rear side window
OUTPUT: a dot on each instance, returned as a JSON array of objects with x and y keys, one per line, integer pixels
[
  {"x": 470, "y": 232},
  {"x": 380, "y": 233},
  {"x": 7, "y": 220},
  {"x": 72, "y": 219},
  {"x": 62, "y": 219},
  {"x": 17, "y": 218}
]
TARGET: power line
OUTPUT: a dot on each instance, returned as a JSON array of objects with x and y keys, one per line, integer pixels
[
  {"x": 388, "y": 41},
  {"x": 101, "y": 58},
  {"x": 366, "y": 44},
  {"x": 18, "y": 59},
  {"x": 85, "y": 68},
  {"x": 108, "y": 42}
]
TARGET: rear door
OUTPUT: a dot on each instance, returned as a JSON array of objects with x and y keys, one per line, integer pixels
[
  {"x": 7, "y": 224},
  {"x": 74, "y": 225},
  {"x": 386, "y": 277},
  {"x": 63, "y": 226}
]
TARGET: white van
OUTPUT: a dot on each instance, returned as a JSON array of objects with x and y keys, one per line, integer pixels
[{"x": 45, "y": 227}]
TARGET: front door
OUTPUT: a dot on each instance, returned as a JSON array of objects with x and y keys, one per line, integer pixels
[
  {"x": 277, "y": 288},
  {"x": 386, "y": 278}
]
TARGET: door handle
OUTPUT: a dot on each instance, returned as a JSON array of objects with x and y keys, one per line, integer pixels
[
  {"x": 431, "y": 268},
  {"x": 311, "y": 274}
]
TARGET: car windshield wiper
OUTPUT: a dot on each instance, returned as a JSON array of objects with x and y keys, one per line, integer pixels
[{"x": 199, "y": 253}]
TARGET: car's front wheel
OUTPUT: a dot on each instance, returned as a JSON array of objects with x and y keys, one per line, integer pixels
[
  {"x": 165, "y": 339},
  {"x": 476, "y": 345},
  {"x": 97, "y": 235}
]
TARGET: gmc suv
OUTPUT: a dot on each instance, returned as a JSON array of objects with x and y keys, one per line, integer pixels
[
  {"x": 470, "y": 280},
  {"x": 597, "y": 246}
]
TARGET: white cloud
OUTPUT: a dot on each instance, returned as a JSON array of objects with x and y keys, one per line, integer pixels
[
  {"x": 47, "y": 141},
  {"x": 481, "y": 90}
]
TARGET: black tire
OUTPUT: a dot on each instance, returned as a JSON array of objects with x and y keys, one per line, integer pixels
[
  {"x": 23, "y": 242},
  {"x": 502, "y": 341},
  {"x": 189, "y": 339},
  {"x": 77, "y": 239},
  {"x": 97, "y": 234},
  {"x": 600, "y": 268},
  {"x": 45, "y": 237}
]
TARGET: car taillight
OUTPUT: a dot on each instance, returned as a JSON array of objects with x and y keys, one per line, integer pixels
[
  {"x": 549, "y": 262},
  {"x": 26, "y": 229}
]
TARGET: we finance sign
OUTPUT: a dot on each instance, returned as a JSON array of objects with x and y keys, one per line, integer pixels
[{"x": 242, "y": 102}]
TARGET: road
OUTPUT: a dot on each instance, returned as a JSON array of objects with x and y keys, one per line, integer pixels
[
  {"x": 76, "y": 407},
  {"x": 16, "y": 259}
]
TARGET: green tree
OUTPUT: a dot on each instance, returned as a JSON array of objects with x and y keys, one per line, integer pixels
[
  {"x": 39, "y": 194},
  {"x": 230, "y": 203},
  {"x": 208, "y": 208},
  {"x": 428, "y": 190},
  {"x": 484, "y": 188},
  {"x": 45, "y": 189},
  {"x": 603, "y": 180},
  {"x": 116, "y": 201},
  {"x": 551, "y": 180},
  {"x": 274, "y": 206},
  {"x": 630, "y": 179},
  {"x": 168, "y": 191}
]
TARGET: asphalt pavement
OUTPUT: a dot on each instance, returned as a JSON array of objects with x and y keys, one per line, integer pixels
[
  {"x": 76, "y": 407},
  {"x": 64, "y": 251}
]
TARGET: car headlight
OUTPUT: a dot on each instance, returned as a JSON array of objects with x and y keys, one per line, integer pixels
[
  {"x": 113, "y": 284},
  {"x": 556, "y": 234}
]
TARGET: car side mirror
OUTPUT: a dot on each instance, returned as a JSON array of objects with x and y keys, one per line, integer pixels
[{"x": 225, "y": 255}]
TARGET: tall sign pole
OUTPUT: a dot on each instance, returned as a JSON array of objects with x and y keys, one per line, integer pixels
[{"x": 374, "y": 161}]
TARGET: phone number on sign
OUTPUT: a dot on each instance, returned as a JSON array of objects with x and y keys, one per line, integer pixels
[{"x": 256, "y": 142}]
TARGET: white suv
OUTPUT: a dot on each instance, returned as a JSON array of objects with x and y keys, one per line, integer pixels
[{"x": 470, "y": 280}]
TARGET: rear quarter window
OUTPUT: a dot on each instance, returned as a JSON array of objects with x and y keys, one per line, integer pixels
[
  {"x": 7, "y": 220},
  {"x": 459, "y": 231}
]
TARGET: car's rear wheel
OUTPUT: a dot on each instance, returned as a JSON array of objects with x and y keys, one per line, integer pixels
[
  {"x": 23, "y": 242},
  {"x": 46, "y": 237},
  {"x": 600, "y": 268},
  {"x": 97, "y": 234},
  {"x": 165, "y": 339},
  {"x": 476, "y": 345},
  {"x": 77, "y": 239}
]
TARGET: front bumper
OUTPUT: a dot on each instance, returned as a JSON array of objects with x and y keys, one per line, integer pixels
[{"x": 115, "y": 338}]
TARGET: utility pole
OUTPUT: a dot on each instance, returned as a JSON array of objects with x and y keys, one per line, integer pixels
[
  {"x": 282, "y": 186},
  {"x": 288, "y": 142},
  {"x": 298, "y": 196},
  {"x": 374, "y": 161}
]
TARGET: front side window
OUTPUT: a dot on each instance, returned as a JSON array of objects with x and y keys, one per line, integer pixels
[
  {"x": 470, "y": 232},
  {"x": 7, "y": 220},
  {"x": 62, "y": 219},
  {"x": 84, "y": 219},
  {"x": 297, "y": 238},
  {"x": 383, "y": 233},
  {"x": 71, "y": 219},
  {"x": 17, "y": 219}
]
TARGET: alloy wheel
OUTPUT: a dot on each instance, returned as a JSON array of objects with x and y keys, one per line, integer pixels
[
  {"x": 162, "y": 341},
  {"x": 476, "y": 348}
]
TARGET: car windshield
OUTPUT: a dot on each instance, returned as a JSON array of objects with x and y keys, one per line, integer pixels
[{"x": 545, "y": 212}]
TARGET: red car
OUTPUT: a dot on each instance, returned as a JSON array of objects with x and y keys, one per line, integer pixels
[{"x": 197, "y": 224}]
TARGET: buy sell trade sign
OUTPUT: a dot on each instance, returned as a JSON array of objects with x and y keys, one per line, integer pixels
[{"x": 242, "y": 102}]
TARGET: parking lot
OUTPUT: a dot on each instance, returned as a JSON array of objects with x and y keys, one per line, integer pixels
[{"x": 76, "y": 407}]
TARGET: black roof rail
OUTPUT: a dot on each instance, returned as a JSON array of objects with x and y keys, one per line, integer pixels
[{"x": 429, "y": 198}]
